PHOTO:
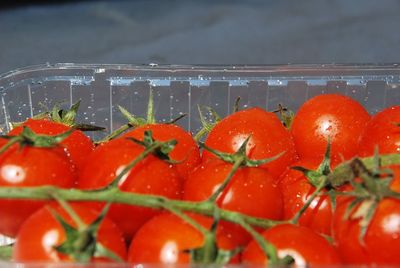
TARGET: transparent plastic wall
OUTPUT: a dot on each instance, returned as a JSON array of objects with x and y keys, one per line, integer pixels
[{"x": 180, "y": 89}]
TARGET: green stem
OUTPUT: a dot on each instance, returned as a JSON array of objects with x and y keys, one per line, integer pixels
[
  {"x": 236, "y": 105},
  {"x": 343, "y": 173},
  {"x": 221, "y": 188},
  {"x": 10, "y": 143},
  {"x": 185, "y": 218},
  {"x": 203, "y": 131},
  {"x": 206, "y": 127},
  {"x": 317, "y": 191},
  {"x": 115, "y": 133},
  {"x": 139, "y": 158},
  {"x": 70, "y": 211},
  {"x": 116, "y": 196},
  {"x": 392, "y": 194},
  {"x": 385, "y": 160},
  {"x": 268, "y": 249},
  {"x": 173, "y": 121},
  {"x": 6, "y": 252},
  {"x": 150, "y": 108}
]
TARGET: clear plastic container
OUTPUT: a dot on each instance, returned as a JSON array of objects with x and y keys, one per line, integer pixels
[{"x": 180, "y": 89}]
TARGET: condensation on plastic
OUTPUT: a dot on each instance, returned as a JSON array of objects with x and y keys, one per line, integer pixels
[{"x": 180, "y": 89}]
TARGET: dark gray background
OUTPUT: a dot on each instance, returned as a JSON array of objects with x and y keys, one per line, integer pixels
[{"x": 201, "y": 32}]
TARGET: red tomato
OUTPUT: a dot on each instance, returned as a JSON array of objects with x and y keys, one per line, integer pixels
[
  {"x": 78, "y": 145},
  {"x": 186, "y": 150},
  {"x": 329, "y": 116},
  {"x": 296, "y": 190},
  {"x": 30, "y": 166},
  {"x": 249, "y": 186},
  {"x": 383, "y": 132},
  {"x": 305, "y": 246},
  {"x": 149, "y": 176},
  {"x": 268, "y": 138},
  {"x": 41, "y": 232},
  {"x": 382, "y": 240},
  {"x": 164, "y": 238}
]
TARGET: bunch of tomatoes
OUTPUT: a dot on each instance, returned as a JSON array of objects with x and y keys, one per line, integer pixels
[{"x": 250, "y": 166}]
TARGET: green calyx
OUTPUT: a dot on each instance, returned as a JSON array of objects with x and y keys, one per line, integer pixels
[
  {"x": 64, "y": 116},
  {"x": 29, "y": 138},
  {"x": 319, "y": 180},
  {"x": 238, "y": 159},
  {"x": 207, "y": 126},
  {"x": 159, "y": 149},
  {"x": 240, "y": 155},
  {"x": 371, "y": 187},
  {"x": 68, "y": 117},
  {"x": 316, "y": 176},
  {"x": 210, "y": 253},
  {"x": 287, "y": 116},
  {"x": 81, "y": 243},
  {"x": 134, "y": 121},
  {"x": 344, "y": 172}
]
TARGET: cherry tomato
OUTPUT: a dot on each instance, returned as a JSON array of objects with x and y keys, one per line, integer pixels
[
  {"x": 305, "y": 246},
  {"x": 382, "y": 131},
  {"x": 296, "y": 190},
  {"x": 381, "y": 242},
  {"x": 149, "y": 176},
  {"x": 186, "y": 150},
  {"x": 330, "y": 116},
  {"x": 78, "y": 145},
  {"x": 41, "y": 232},
  {"x": 164, "y": 239},
  {"x": 249, "y": 186},
  {"x": 268, "y": 138},
  {"x": 30, "y": 166}
]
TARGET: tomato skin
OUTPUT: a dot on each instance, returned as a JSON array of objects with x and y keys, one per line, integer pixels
[
  {"x": 296, "y": 190},
  {"x": 78, "y": 145},
  {"x": 381, "y": 131},
  {"x": 186, "y": 150},
  {"x": 249, "y": 186},
  {"x": 268, "y": 138},
  {"x": 42, "y": 231},
  {"x": 30, "y": 166},
  {"x": 382, "y": 240},
  {"x": 333, "y": 116},
  {"x": 149, "y": 176},
  {"x": 305, "y": 246},
  {"x": 164, "y": 238}
]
